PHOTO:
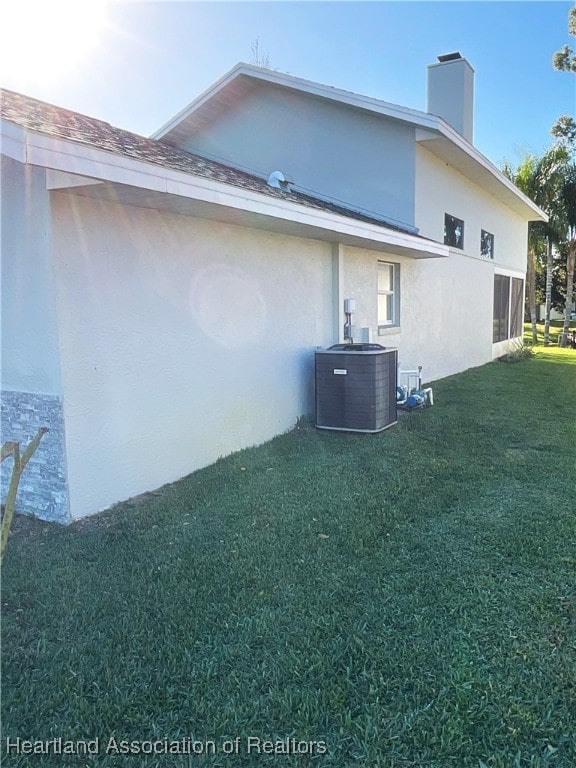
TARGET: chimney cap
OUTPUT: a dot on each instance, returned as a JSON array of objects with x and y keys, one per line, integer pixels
[{"x": 450, "y": 56}]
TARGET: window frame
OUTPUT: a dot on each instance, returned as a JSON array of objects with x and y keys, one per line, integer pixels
[
  {"x": 452, "y": 222},
  {"x": 507, "y": 314},
  {"x": 489, "y": 238},
  {"x": 394, "y": 322},
  {"x": 516, "y": 308}
]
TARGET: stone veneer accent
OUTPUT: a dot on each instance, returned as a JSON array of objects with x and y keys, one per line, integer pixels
[{"x": 43, "y": 490}]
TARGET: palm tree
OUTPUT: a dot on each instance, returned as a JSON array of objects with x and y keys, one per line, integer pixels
[
  {"x": 523, "y": 177},
  {"x": 540, "y": 178},
  {"x": 552, "y": 169},
  {"x": 569, "y": 201},
  {"x": 565, "y": 131}
]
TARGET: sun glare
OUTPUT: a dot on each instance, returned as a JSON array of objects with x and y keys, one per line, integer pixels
[{"x": 45, "y": 40}]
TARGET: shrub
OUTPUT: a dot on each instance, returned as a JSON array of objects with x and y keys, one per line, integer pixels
[{"x": 521, "y": 351}]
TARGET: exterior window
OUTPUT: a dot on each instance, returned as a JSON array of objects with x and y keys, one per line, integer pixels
[
  {"x": 453, "y": 231},
  {"x": 516, "y": 304},
  {"x": 507, "y": 317},
  {"x": 501, "y": 307},
  {"x": 388, "y": 293},
  {"x": 487, "y": 244}
]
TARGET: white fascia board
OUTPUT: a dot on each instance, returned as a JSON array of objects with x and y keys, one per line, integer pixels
[
  {"x": 12, "y": 141},
  {"x": 369, "y": 103},
  {"x": 76, "y": 159},
  {"x": 96, "y": 164},
  {"x": 349, "y": 98},
  {"x": 79, "y": 159}
]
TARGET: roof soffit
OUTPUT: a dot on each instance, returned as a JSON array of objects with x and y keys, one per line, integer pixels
[
  {"x": 480, "y": 171},
  {"x": 281, "y": 217}
]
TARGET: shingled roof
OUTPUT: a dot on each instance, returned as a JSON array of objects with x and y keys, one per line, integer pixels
[{"x": 45, "y": 118}]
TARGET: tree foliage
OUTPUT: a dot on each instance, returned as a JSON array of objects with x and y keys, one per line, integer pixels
[
  {"x": 564, "y": 60},
  {"x": 524, "y": 177},
  {"x": 550, "y": 181},
  {"x": 569, "y": 200},
  {"x": 564, "y": 131}
]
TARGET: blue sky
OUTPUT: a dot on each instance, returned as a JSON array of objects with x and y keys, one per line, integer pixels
[{"x": 146, "y": 60}]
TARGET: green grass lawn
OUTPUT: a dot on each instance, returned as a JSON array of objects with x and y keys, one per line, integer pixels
[
  {"x": 406, "y": 599},
  {"x": 555, "y": 330}
]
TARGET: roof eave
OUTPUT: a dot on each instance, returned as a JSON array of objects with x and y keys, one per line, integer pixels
[
  {"x": 179, "y": 117},
  {"x": 72, "y": 161},
  {"x": 350, "y": 98},
  {"x": 447, "y": 144}
]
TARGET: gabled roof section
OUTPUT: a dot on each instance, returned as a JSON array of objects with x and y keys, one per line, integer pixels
[
  {"x": 233, "y": 86},
  {"x": 93, "y": 158},
  {"x": 48, "y": 119},
  {"x": 432, "y": 131},
  {"x": 54, "y": 121}
]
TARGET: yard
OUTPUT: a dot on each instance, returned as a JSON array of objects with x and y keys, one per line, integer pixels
[{"x": 406, "y": 599}]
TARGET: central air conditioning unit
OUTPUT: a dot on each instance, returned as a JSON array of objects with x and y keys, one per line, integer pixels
[{"x": 356, "y": 387}]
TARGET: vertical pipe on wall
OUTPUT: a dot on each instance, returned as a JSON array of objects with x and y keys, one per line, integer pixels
[{"x": 338, "y": 291}]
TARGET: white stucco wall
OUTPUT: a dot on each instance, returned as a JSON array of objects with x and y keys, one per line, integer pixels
[
  {"x": 444, "y": 325},
  {"x": 29, "y": 330},
  {"x": 182, "y": 340},
  {"x": 440, "y": 189}
]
